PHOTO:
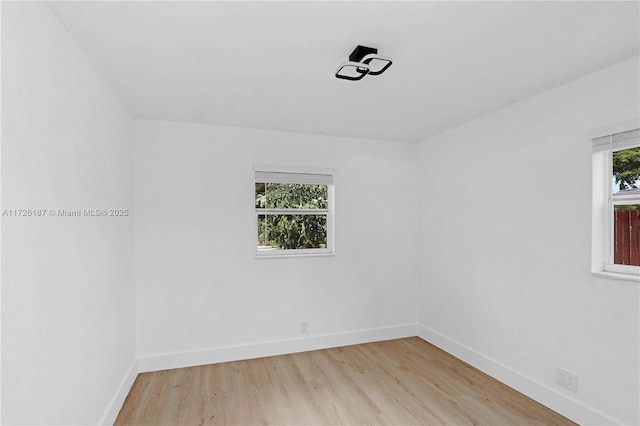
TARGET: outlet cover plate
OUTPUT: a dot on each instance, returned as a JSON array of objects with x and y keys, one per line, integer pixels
[{"x": 567, "y": 380}]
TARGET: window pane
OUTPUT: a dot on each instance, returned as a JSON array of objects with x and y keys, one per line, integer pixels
[
  {"x": 263, "y": 238},
  {"x": 261, "y": 200},
  {"x": 626, "y": 232},
  {"x": 626, "y": 169},
  {"x": 296, "y": 196},
  {"x": 294, "y": 231}
]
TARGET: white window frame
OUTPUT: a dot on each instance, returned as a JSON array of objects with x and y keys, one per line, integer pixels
[
  {"x": 607, "y": 140},
  {"x": 303, "y": 175}
]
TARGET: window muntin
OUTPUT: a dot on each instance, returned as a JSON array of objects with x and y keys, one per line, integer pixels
[
  {"x": 294, "y": 214},
  {"x": 616, "y": 201}
]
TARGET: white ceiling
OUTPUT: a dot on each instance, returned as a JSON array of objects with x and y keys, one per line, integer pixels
[{"x": 271, "y": 64}]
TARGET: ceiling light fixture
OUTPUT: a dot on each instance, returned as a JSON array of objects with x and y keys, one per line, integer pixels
[{"x": 362, "y": 61}]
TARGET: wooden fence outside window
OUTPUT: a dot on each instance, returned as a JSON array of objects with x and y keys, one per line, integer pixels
[{"x": 626, "y": 249}]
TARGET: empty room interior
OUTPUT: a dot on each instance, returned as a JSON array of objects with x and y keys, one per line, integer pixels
[{"x": 320, "y": 212}]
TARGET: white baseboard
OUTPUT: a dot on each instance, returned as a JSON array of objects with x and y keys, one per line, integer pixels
[
  {"x": 278, "y": 347},
  {"x": 115, "y": 405},
  {"x": 568, "y": 407}
]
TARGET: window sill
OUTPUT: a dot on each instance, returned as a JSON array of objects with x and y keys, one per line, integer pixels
[
  {"x": 617, "y": 276},
  {"x": 283, "y": 256}
]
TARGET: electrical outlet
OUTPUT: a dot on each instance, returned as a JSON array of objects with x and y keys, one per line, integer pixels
[
  {"x": 567, "y": 380},
  {"x": 304, "y": 327}
]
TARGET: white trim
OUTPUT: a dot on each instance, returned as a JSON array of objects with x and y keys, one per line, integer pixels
[
  {"x": 284, "y": 254},
  {"x": 617, "y": 276},
  {"x": 292, "y": 212},
  {"x": 115, "y": 405},
  {"x": 599, "y": 213},
  {"x": 617, "y": 142},
  {"x": 279, "y": 347},
  {"x": 563, "y": 404},
  {"x": 329, "y": 213},
  {"x": 603, "y": 200},
  {"x": 288, "y": 177},
  {"x": 632, "y": 271},
  {"x": 331, "y": 219},
  {"x": 612, "y": 129},
  {"x": 623, "y": 199},
  {"x": 294, "y": 169}
]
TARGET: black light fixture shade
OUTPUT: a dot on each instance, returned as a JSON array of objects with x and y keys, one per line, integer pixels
[
  {"x": 352, "y": 71},
  {"x": 377, "y": 63},
  {"x": 362, "y": 61}
]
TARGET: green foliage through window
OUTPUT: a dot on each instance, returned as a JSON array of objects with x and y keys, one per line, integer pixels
[
  {"x": 304, "y": 228},
  {"x": 626, "y": 168}
]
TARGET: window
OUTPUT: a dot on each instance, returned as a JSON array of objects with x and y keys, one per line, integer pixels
[
  {"x": 616, "y": 201},
  {"x": 294, "y": 212}
]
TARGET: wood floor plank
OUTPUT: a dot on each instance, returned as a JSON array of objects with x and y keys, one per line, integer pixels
[{"x": 403, "y": 381}]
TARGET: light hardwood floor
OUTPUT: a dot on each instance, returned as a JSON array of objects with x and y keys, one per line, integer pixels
[{"x": 397, "y": 382}]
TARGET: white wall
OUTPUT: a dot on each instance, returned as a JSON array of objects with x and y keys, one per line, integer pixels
[
  {"x": 504, "y": 239},
  {"x": 68, "y": 339},
  {"x": 505, "y": 252},
  {"x": 199, "y": 285}
]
